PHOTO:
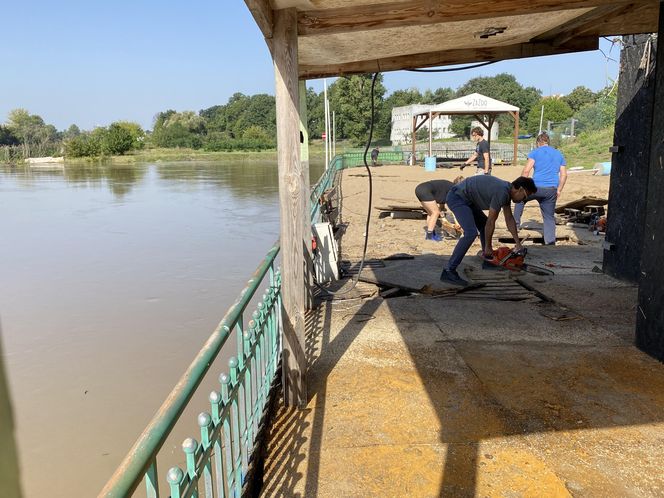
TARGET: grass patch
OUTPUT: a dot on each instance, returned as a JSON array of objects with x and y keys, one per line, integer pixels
[{"x": 588, "y": 148}]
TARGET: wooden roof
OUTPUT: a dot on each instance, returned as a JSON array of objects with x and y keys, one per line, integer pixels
[{"x": 337, "y": 37}]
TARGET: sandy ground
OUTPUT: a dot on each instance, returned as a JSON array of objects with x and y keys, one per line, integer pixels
[{"x": 395, "y": 185}]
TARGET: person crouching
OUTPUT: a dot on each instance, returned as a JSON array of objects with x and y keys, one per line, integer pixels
[{"x": 432, "y": 195}]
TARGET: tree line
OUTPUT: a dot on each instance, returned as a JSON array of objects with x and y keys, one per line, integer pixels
[{"x": 248, "y": 122}]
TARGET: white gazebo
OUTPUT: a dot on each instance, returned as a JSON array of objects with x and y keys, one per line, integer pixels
[{"x": 484, "y": 109}]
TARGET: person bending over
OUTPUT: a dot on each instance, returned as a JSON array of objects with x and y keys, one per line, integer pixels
[
  {"x": 549, "y": 177},
  {"x": 432, "y": 195},
  {"x": 468, "y": 200}
]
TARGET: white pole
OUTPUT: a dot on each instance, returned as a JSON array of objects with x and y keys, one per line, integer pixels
[
  {"x": 328, "y": 136},
  {"x": 430, "y": 136},
  {"x": 541, "y": 119},
  {"x": 334, "y": 134},
  {"x": 327, "y": 159}
]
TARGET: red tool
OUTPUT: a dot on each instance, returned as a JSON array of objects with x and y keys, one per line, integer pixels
[{"x": 507, "y": 258}]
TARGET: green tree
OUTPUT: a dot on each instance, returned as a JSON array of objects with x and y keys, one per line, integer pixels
[
  {"x": 579, "y": 97},
  {"x": 315, "y": 113},
  {"x": 178, "y": 129},
  {"x": 555, "y": 110},
  {"x": 350, "y": 97},
  {"x": 116, "y": 140},
  {"x": 7, "y": 137},
  {"x": 438, "y": 96},
  {"x": 71, "y": 132},
  {"x": 135, "y": 131},
  {"x": 598, "y": 115},
  {"x": 37, "y": 137},
  {"x": 503, "y": 87},
  {"x": 83, "y": 145}
]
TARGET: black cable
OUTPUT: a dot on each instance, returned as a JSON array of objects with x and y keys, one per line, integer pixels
[
  {"x": 366, "y": 229},
  {"x": 451, "y": 69}
]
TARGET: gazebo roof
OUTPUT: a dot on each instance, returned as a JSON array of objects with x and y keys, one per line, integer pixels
[
  {"x": 337, "y": 37},
  {"x": 474, "y": 103}
]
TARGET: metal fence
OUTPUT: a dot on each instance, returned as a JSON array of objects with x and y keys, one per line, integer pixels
[{"x": 218, "y": 463}]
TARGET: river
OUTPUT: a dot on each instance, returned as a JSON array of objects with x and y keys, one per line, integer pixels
[{"x": 112, "y": 277}]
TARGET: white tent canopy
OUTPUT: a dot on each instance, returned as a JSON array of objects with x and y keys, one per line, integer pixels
[
  {"x": 474, "y": 103},
  {"x": 483, "y": 108}
]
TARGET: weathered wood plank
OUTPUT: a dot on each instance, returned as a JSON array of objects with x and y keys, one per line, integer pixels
[
  {"x": 292, "y": 197},
  {"x": 447, "y": 57},
  {"x": 423, "y": 12},
  {"x": 263, "y": 16},
  {"x": 588, "y": 22}
]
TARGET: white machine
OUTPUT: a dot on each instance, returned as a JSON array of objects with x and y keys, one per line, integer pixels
[{"x": 326, "y": 257}]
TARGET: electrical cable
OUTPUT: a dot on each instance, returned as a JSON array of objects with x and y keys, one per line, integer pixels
[
  {"x": 366, "y": 165},
  {"x": 451, "y": 69},
  {"x": 370, "y": 199}
]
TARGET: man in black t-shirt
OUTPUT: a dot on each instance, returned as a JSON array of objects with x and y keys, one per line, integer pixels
[{"x": 481, "y": 152}]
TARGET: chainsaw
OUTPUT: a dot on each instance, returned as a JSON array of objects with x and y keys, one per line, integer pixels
[{"x": 512, "y": 260}]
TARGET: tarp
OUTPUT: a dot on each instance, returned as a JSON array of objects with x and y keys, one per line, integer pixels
[{"x": 474, "y": 103}]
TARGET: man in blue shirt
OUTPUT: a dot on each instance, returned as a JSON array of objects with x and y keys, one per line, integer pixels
[{"x": 549, "y": 177}]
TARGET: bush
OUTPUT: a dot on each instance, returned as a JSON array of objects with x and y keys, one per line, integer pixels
[
  {"x": 176, "y": 135},
  {"x": 252, "y": 140},
  {"x": 84, "y": 145},
  {"x": 598, "y": 116}
]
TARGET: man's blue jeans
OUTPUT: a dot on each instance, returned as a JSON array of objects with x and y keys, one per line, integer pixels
[
  {"x": 471, "y": 219},
  {"x": 546, "y": 196}
]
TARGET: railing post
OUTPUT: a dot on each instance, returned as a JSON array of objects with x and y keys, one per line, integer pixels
[
  {"x": 215, "y": 405},
  {"x": 205, "y": 424},
  {"x": 151, "y": 480}
]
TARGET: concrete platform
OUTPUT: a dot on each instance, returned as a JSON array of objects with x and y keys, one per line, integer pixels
[
  {"x": 425, "y": 396},
  {"x": 421, "y": 396}
]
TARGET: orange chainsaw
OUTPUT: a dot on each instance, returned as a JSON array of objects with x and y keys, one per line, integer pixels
[{"x": 507, "y": 258}]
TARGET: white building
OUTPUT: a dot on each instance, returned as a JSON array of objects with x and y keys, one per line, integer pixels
[{"x": 402, "y": 123}]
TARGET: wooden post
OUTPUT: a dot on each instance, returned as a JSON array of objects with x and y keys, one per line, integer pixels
[
  {"x": 292, "y": 197},
  {"x": 515, "y": 115},
  {"x": 304, "y": 162}
]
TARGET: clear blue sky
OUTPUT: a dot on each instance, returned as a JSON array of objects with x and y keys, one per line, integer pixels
[{"x": 92, "y": 63}]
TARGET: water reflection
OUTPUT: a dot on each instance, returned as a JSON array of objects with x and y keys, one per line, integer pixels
[
  {"x": 242, "y": 178},
  {"x": 112, "y": 278}
]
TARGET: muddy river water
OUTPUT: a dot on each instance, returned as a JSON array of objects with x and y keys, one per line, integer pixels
[{"x": 111, "y": 279}]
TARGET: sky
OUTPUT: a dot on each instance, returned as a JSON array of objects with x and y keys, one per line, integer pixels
[{"x": 92, "y": 63}]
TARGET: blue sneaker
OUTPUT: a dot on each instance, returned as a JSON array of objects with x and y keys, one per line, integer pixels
[{"x": 435, "y": 236}]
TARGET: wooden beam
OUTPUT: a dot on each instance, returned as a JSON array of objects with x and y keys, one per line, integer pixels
[
  {"x": 448, "y": 57},
  {"x": 423, "y": 12},
  {"x": 582, "y": 24},
  {"x": 263, "y": 16},
  {"x": 292, "y": 206}
]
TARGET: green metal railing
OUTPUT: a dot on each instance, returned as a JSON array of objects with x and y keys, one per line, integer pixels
[
  {"x": 354, "y": 159},
  {"x": 219, "y": 462},
  {"x": 324, "y": 183}
]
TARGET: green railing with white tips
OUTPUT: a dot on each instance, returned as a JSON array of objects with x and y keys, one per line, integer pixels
[{"x": 219, "y": 462}]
